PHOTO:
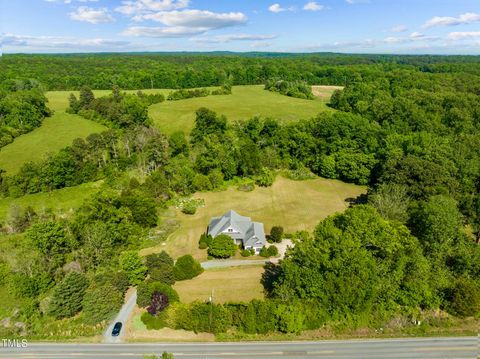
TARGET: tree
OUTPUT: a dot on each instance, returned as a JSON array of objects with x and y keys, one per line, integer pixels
[
  {"x": 158, "y": 260},
  {"x": 391, "y": 201},
  {"x": 186, "y": 267},
  {"x": 159, "y": 303},
  {"x": 163, "y": 274},
  {"x": 464, "y": 298},
  {"x": 49, "y": 238},
  {"x": 68, "y": 296},
  {"x": 132, "y": 264},
  {"x": 101, "y": 303},
  {"x": 146, "y": 290},
  {"x": 86, "y": 97},
  {"x": 222, "y": 246},
  {"x": 276, "y": 234}
]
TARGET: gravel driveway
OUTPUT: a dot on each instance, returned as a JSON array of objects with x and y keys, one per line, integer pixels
[{"x": 122, "y": 317}]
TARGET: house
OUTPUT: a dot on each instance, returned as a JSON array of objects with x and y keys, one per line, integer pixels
[{"x": 242, "y": 230}]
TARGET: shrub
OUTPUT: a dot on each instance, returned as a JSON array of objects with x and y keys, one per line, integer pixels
[
  {"x": 189, "y": 208},
  {"x": 276, "y": 234},
  {"x": 154, "y": 322},
  {"x": 246, "y": 253},
  {"x": 264, "y": 252},
  {"x": 222, "y": 246},
  {"x": 205, "y": 241},
  {"x": 187, "y": 267},
  {"x": 272, "y": 251},
  {"x": 265, "y": 178}
]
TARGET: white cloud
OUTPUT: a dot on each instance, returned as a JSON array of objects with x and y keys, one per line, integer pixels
[
  {"x": 276, "y": 8},
  {"x": 93, "y": 16},
  {"x": 200, "y": 19},
  {"x": 162, "y": 32},
  {"x": 455, "y": 36},
  {"x": 61, "y": 43},
  {"x": 463, "y": 19},
  {"x": 313, "y": 6},
  {"x": 399, "y": 28},
  {"x": 135, "y": 7}
]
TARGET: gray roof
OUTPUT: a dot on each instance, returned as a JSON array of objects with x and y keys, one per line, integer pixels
[{"x": 251, "y": 233}]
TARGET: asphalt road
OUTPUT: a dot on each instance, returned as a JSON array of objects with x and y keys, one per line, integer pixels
[
  {"x": 467, "y": 347},
  {"x": 122, "y": 317}
]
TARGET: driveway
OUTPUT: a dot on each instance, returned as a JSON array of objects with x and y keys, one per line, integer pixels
[
  {"x": 122, "y": 317},
  {"x": 223, "y": 263}
]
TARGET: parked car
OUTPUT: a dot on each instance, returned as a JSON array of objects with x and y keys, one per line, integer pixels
[{"x": 116, "y": 329}]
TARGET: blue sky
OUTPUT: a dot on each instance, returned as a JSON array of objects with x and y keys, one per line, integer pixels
[{"x": 355, "y": 26}]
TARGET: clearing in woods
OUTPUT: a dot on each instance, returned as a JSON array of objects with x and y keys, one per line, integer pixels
[
  {"x": 244, "y": 103},
  {"x": 295, "y": 205}
]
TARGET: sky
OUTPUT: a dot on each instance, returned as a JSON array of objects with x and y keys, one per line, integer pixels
[{"x": 349, "y": 26}]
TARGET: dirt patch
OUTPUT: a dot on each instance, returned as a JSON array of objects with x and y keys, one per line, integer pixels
[{"x": 325, "y": 92}]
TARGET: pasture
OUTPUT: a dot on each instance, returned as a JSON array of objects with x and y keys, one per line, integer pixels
[
  {"x": 55, "y": 133},
  {"x": 295, "y": 205},
  {"x": 244, "y": 103}
]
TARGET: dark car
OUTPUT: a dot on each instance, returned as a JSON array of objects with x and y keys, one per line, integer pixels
[{"x": 116, "y": 329}]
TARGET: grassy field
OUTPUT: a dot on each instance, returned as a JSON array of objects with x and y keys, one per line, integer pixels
[
  {"x": 235, "y": 284},
  {"x": 295, "y": 205},
  {"x": 55, "y": 133},
  {"x": 58, "y": 100},
  {"x": 245, "y": 102},
  {"x": 62, "y": 201}
]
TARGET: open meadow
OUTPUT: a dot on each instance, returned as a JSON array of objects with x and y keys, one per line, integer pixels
[
  {"x": 244, "y": 103},
  {"x": 295, "y": 205},
  {"x": 55, "y": 133}
]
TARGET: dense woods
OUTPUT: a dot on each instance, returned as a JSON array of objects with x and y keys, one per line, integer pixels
[{"x": 406, "y": 127}]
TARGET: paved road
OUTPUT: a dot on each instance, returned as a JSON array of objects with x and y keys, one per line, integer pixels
[
  {"x": 222, "y": 263},
  {"x": 467, "y": 347},
  {"x": 122, "y": 317}
]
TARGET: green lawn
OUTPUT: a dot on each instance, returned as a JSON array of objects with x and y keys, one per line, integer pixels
[
  {"x": 295, "y": 205},
  {"x": 61, "y": 201},
  {"x": 234, "y": 284},
  {"x": 55, "y": 133},
  {"x": 245, "y": 102}
]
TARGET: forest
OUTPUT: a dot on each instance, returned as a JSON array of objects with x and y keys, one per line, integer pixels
[{"x": 406, "y": 127}]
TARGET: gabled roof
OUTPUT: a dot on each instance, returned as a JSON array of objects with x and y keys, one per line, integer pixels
[{"x": 251, "y": 233}]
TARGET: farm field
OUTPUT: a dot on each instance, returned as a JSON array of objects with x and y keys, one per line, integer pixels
[
  {"x": 295, "y": 205},
  {"x": 234, "y": 284},
  {"x": 61, "y": 201},
  {"x": 55, "y": 133},
  {"x": 245, "y": 102}
]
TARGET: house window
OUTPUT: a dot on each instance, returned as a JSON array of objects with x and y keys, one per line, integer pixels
[{"x": 230, "y": 230}]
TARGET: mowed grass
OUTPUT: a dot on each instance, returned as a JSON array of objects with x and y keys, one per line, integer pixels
[
  {"x": 295, "y": 205},
  {"x": 244, "y": 103},
  {"x": 235, "y": 284},
  {"x": 55, "y": 133},
  {"x": 62, "y": 201}
]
